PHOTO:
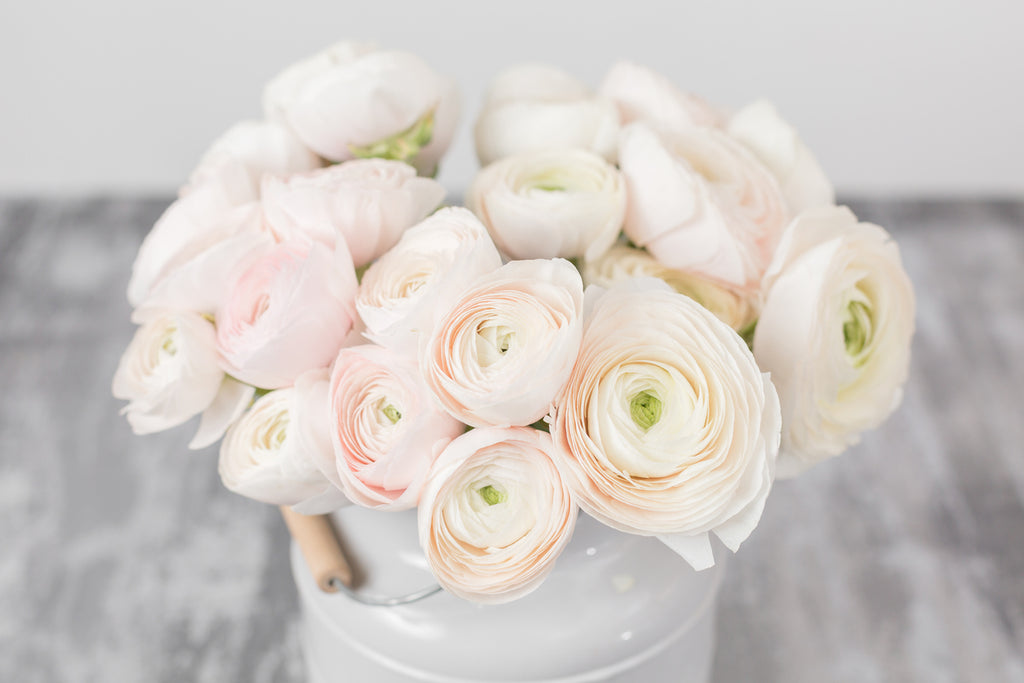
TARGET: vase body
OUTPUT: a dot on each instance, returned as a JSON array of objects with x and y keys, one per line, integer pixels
[{"x": 617, "y": 608}]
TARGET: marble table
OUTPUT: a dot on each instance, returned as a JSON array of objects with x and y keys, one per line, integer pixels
[{"x": 123, "y": 559}]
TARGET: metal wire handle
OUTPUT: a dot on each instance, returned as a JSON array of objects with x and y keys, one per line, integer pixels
[{"x": 383, "y": 601}]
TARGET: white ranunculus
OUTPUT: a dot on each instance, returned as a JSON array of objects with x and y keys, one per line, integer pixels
[
  {"x": 170, "y": 371},
  {"x": 671, "y": 429},
  {"x": 567, "y": 203},
  {"x": 835, "y": 333},
  {"x": 433, "y": 263},
  {"x": 368, "y": 203},
  {"x": 270, "y": 454},
  {"x": 385, "y": 427},
  {"x": 534, "y": 107},
  {"x": 779, "y": 147},
  {"x": 700, "y": 201},
  {"x": 352, "y": 101},
  {"x": 642, "y": 94},
  {"x": 736, "y": 309},
  {"x": 505, "y": 349},
  {"x": 495, "y": 514}
]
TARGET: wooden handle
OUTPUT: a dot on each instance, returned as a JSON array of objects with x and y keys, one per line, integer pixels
[{"x": 320, "y": 547}]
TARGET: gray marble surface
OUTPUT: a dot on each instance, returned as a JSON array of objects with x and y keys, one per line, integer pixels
[{"x": 123, "y": 559}]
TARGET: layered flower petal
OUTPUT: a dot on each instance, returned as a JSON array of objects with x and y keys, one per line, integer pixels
[{"x": 643, "y": 94}]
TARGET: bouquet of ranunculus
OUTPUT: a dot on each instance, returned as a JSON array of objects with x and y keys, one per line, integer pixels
[{"x": 644, "y": 297}]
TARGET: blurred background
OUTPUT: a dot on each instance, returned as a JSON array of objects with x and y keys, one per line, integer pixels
[{"x": 920, "y": 97}]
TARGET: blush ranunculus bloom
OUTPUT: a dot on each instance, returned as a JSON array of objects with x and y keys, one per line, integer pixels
[
  {"x": 669, "y": 427},
  {"x": 505, "y": 349},
  {"x": 700, "y": 201},
  {"x": 495, "y": 514},
  {"x": 564, "y": 203},
  {"x": 354, "y": 101},
  {"x": 404, "y": 292},
  {"x": 287, "y": 313},
  {"x": 535, "y": 107},
  {"x": 835, "y": 333},
  {"x": 642, "y": 94},
  {"x": 368, "y": 203},
  {"x": 385, "y": 427},
  {"x": 270, "y": 454}
]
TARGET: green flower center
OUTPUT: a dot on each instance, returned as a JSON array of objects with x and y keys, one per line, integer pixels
[
  {"x": 645, "y": 409},
  {"x": 857, "y": 330},
  {"x": 491, "y": 495},
  {"x": 391, "y": 413}
]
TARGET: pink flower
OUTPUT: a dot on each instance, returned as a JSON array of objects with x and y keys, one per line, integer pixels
[
  {"x": 643, "y": 94},
  {"x": 287, "y": 313}
]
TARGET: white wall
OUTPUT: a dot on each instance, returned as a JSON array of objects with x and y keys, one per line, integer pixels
[{"x": 919, "y": 96}]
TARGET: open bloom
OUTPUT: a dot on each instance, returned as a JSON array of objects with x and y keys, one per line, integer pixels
[
  {"x": 368, "y": 203},
  {"x": 735, "y": 308},
  {"x": 566, "y": 203},
  {"x": 506, "y": 347},
  {"x": 670, "y": 428},
  {"x": 779, "y": 147},
  {"x": 643, "y": 94},
  {"x": 384, "y": 426},
  {"x": 700, "y": 201},
  {"x": 495, "y": 514},
  {"x": 287, "y": 313},
  {"x": 271, "y": 453},
  {"x": 534, "y": 107},
  {"x": 835, "y": 333},
  {"x": 403, "y": 293},
  {"x": 353, "y": 101}
]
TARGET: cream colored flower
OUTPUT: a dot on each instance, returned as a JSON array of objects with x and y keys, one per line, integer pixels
[{"x": 643, "y": 94}]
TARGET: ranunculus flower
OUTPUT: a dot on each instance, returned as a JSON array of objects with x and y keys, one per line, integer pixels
[
  {"x": 352, "y": 101},
  {"x": 402, "y": 294},
  {"x": 835, "y": 333},
  {"x": 384, "y": 426},
  {"x": 566, "y": 203},
  {"x": 670, "y": 428},
  {"x": 643, "y": 94},
  {"x": 736, "y": 309},
  {"x": 700, "y": 201},
  {"x": 495, "y": 514},
  {"x": 506, "y": 347},
  {"x": 287, "y": 313},
  {"x": 271, "y": 453},
  {"x": 534, "y": 107},
  {"x": 171, "y": 372},
  {"x": 368, "y": 203},
  {"x": 779, "y": 147}
]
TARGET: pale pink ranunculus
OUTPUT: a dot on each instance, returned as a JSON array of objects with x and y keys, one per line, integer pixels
[
  {"x": 288, "y": 312},
  {"x": 535, "y": 107},
  {"x": 643, "y": 94},
  {"x": 403, "y": 293},
  {"x": 559, "y": 203},
  {"x": 385, "y": 427},
  {"x": 368, "y": 203},
  {"x": 352, "y": 101},
  {"x": 505, "y": 349},
  {"x": 271, "y": 453},
  {"x": 835, "y": 333},
  {"x": 495, "y": 514},
  {"x": 668, "y": 426},
  {"x": 700, "y": 201}
]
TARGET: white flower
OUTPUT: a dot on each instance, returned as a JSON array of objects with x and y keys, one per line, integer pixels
[
  {"x": 384, "y": 426},
  {"x": 495, "y": 514},
  {"x": 835, "y": 333},
  {"x": 736, "y": 309},
  {"x": 566, "y": 203},
  {"x": 534, "y": 107},
  {"x": 368, "y": 203},
  {"x": 700, "y": 201},
  {"x": 642, "y": 94},
  {"x": 271, "y": 453},
  {"x": 353, "y": 101},
  {"x": 779, "y": 147},
  {"x": 670, "y": 428},
  {"x": 505, "y": 349},
  {"x": 402, "y": 294}
]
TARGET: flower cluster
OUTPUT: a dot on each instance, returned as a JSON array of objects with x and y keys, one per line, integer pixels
[{"x": 644, "y": 297}]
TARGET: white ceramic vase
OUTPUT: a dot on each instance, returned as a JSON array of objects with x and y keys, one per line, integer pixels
[{"x": 617, "y": 608}]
